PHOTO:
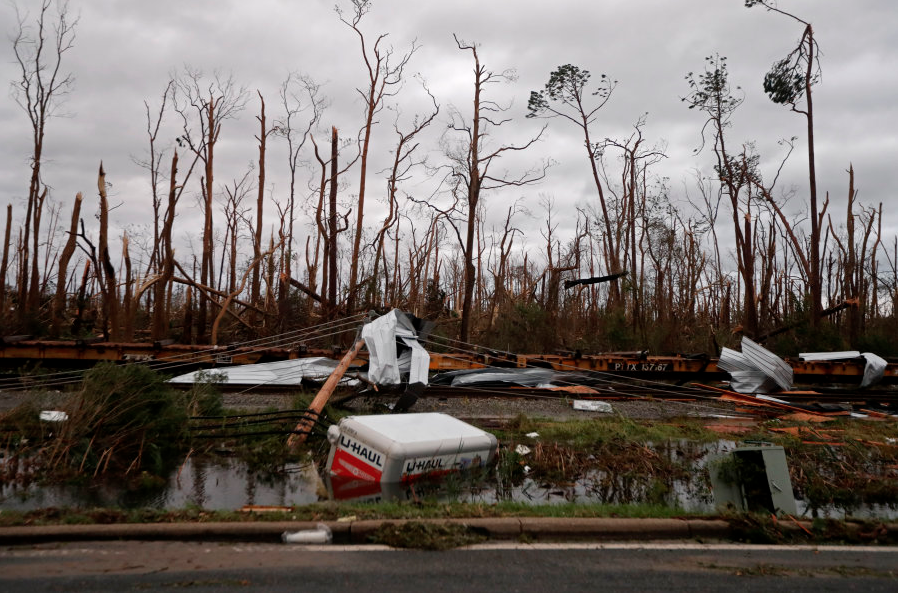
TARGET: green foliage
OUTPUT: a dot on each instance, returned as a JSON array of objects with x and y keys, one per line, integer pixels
[
  {"x": 618, "y": 331},
  {"x": 711, "y": 91},
  {"x": 523, "y": 328},
  {"x": 596, "y": 431},
  {"x": 426, "y": 536},
  {"x": 509, "y": 465},
  {"x": 434, "y": 300},
  {"x": 784, "y": 83},
  {"x": 329, "y": 511},
  {"x": 125, "y": 418},
  {"x": 880, "y": 341},
  {"x": 804, "y": 338},
  {"x": 568, "y": 85},
  {"x": 20, "y": 425},
  {"x": 266, "y": 454},
  {"x": 204, "y": 397},
  {"x": 791, "y": 77}
]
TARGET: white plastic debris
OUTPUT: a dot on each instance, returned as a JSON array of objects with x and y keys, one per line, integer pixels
[
  {"x": 588, "y": 405},
  {"x": 321, "y": 535},
  {"x": 533, "y": 435},
  {"x": 383, "y": 337},
  {"x": 53, "y": 416},
  {"x": 873, "y": 370},
  {"x": 522, "y": 450}
]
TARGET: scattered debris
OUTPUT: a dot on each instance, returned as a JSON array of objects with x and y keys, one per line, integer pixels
[
  {"x": 817, "y": 356},
  {"x": 53, "y": 416},
  {"x": 754, "y": 479},
  {"x": 581, "y": 389},
  {"x": 594, "y": 280},
  {"x": 592, "y": 406},
  {"x": 874, "y": 367},
  {"x": 321, "y": 535},
  {"x": 260, "y": 508},
  {"x": 522, "y": 450},
  {"x": 282, "y": 372},
  {"x": 873, "y": 370},
  {"x": 392, "y": 342},
  {"x": 755, "y": 369},
  {"x": 526, "y": 377},
  {"x": 427, "y": 536}
]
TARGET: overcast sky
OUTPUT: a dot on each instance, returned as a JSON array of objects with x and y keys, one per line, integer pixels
[{"x": 126, "y": 50}]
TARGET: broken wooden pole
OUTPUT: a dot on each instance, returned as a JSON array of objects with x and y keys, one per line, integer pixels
[{"x": 305, "y": 425}]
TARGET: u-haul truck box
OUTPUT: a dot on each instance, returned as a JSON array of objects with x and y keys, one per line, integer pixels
[{"x": 400, "y": 447}]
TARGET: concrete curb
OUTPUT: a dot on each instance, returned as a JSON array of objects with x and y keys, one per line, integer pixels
[{"x": 360, "y": 532}]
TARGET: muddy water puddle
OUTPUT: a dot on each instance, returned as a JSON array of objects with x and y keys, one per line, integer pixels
[
  {"x": 227, "y": 483},
  {"x": 208, "y": 483}
]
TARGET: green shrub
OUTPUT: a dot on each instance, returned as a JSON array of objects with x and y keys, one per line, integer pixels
[
  {"x": 125, "y": 418},
  {"x": 204, "y": 397}
]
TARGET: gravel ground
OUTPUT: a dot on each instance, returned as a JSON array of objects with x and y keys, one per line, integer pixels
[
  {"x": 498, "y": 407},
  {"x": 46, "y": 400},
  {"x": 460, "y": 407}
]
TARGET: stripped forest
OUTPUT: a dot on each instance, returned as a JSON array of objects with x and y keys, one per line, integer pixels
[{"x": 639, "y": 270}]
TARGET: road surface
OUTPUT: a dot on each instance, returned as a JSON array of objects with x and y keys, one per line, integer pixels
[{"x": 668, "y": 567}]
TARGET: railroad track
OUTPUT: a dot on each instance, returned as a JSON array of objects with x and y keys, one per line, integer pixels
[{"x": 672, "y": 392}]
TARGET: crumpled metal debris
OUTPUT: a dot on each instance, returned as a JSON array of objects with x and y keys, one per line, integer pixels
[
  {"x": 393, "y": 348},
  {"x": 755, "y": 369}
]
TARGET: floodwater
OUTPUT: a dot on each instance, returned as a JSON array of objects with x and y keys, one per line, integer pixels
[
  {"x": 208, "y": 483},
  {"x": 226, "y": 483}
]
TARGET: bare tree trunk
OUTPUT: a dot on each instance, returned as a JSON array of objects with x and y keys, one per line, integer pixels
[
  {"x": 257, "y": 236},
  {"x": 128, "y": 313},
  {"x": 187, "y": 323},
  {"x": 472, "y": 168},
  {"x": 332, "y": 229},
  {"x": 62, "y": 269},
  {"x": 382, "y": 76},
  {"x": 110, "y": 292},
  {"x": 161, "y": 302},
  {"x": 226, "y": 304},
  {"x": 37, "y": 91},
  {"x": 206, "y": 266},
  {"x": 4, "y": 263},
  {"x": 815, "y": 279},
  {"x": 34, "y": 295}
]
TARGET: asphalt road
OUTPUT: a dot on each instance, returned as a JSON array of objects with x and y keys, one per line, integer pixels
[{"x": 668, "y": 567}]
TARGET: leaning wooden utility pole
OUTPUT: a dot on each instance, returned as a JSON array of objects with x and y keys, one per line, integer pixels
[{"x": 301, "y": 432}]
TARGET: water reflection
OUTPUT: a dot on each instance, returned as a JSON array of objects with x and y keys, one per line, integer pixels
[
  {"x": 214, "y": 484},
  {"x": 228, "y": 484}
]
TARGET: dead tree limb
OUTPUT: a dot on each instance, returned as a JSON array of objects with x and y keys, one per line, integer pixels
[
  {"x": 299, "y": 285},
  {"x": 596, "y": 280},
  {"x": 225, "y": 306}
]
